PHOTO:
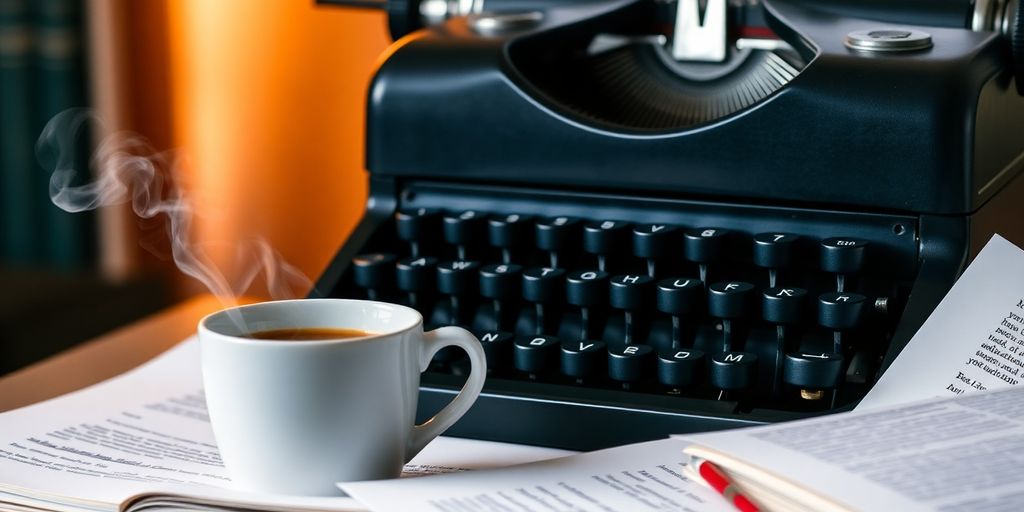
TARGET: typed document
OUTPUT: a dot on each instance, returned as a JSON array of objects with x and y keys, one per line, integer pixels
[
  {"x": 632, "y": 478},
  {"x": 973, "y": 341}
]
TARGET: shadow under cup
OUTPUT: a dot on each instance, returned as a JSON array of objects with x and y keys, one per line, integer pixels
[{"x": 294, "y": 417}]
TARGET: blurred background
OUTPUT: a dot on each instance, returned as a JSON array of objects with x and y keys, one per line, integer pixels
[{"x": 263, "y": 102}]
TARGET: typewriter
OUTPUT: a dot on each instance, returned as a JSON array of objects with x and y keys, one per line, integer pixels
[{"x": 662, "y": 216}]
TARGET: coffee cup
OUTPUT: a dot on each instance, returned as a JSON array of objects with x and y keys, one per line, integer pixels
[{"x": 295, "y": 416}]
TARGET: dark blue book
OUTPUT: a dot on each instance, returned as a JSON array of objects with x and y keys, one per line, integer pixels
[
  {"x": 18, "y": 214},
  {"x": 65, "y": 239}
]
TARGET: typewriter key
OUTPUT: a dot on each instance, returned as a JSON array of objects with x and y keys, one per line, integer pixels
[
  {"x": 543, "y": 286},
  {"x": 732, "y": 371},
  {"x": 457, "y": 279},
  {"x": 842, "y": 256},
  {"x": 680, "y": 368},
  {"x": 655, "y": 242},
  {"x": 374, "y": 273},
  {"x": 813, "y": 372},
  {"x": 729, "y": 301},
  {"x": 604, "y": 238},
  {"x": 630, "y": 364},
  {"x": 500, "y": 283},
  {"x": 680, "y": 298},
  {"x": 704, "y": 246},
  {"x": 536, "y": 355},
  {"x": 497, "y": 348},
  {"x": 839, "y": 312},
  {"x": 556, "y": 235},
  {"x": 416, "y": 276},
  {"x": 783, "y": 306},
  {"x": 631, "y": 294},
  {"x": 774, "y": 251},
  {"x": 584, "y": 359},
  {"x": 508, "y": 232},
  {"x": 586, "y": 289},
  {"x": 462, "y": 229},
  {"x": 417, "y": 226}
]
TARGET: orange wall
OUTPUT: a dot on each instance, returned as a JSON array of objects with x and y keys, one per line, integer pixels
[{"x": 267, "y": 104}]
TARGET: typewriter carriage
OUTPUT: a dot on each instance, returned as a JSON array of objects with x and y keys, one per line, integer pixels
[{"x": 856, "y": 119}]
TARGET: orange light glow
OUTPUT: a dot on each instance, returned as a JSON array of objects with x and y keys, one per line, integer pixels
[{"x": 268, "y": 106}]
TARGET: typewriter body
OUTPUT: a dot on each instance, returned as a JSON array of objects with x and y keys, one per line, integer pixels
[{"x": 662, "y": 217}]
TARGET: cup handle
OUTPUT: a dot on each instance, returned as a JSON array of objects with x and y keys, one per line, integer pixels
[{"x": 432, "y": 342}]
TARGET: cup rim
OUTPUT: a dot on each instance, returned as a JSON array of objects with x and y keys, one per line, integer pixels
[{"x": 235, "y": 338}]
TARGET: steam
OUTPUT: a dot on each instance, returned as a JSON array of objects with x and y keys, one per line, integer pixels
[{"x": 126, "y": 169}]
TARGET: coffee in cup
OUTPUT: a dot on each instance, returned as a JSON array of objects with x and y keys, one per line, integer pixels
[{"x": 308, "y": 334}]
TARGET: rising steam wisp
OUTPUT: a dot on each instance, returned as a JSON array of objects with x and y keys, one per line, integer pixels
[{"x": 126, "y": 169}]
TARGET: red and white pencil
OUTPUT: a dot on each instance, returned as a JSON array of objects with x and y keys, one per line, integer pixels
[{"x": 719, "y": 482}]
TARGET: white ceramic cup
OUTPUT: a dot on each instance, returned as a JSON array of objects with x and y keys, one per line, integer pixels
[{"x": 294, "y": 417}]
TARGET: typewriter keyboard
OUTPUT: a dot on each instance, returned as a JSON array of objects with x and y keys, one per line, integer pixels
[{"x": 699, "y": 307}]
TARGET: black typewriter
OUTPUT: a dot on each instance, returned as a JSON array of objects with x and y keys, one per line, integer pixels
[{"x": 663, "y": 216}]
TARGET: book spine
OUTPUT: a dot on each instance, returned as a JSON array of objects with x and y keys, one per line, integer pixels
[
  {"x": 60, "y": 84},
  {"x": 18, "y": 223}
]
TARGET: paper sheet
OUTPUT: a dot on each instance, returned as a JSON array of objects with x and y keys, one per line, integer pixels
[
  {"x": 633, "y": 478},
  {"x": 972, "y": 341},
  {"x": 123, "y": 436},
  {"x": 147, "y": 430},
  {"x": 941, "y": 454},
  {"x": 453, "y": 455}
]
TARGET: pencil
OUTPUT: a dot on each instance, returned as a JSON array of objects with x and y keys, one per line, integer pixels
[{"x": 719, "y": 482}]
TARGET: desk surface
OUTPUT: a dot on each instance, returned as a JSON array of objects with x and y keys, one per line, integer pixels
[{"x": 106, "y": 356}]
